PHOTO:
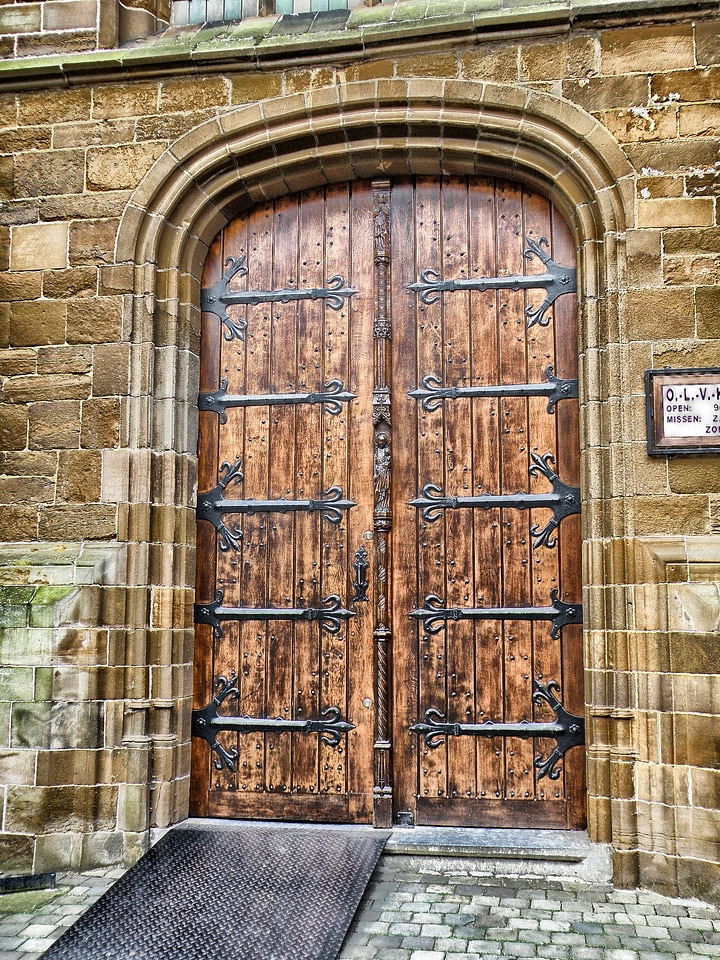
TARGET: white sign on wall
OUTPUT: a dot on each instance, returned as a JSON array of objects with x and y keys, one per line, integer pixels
[{"x": 683, "y": 410}]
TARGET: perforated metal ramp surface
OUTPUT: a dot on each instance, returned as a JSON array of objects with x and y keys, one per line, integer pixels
[{"x": 240, "y": 892}]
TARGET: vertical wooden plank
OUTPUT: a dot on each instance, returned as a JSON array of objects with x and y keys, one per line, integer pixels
[
  {"x": 334, "y": 652},
  {"x": 458, "y": 481},
  {"x": 359, "y": 655},
  {"x": 408, "y": 317},
  {"x": 280, "y": 527},
  {"x": 247, "y": 437},
  {"x": 486, "y": 416},
  {"x": 310, "y": 558},
  {"x": 432, "y": 556},
  {"x": 514, "y": 477},
  {"x": 228, "y": 562}
]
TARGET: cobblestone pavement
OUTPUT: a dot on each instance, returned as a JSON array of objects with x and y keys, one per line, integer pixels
[{"x": 409, "y": 915}]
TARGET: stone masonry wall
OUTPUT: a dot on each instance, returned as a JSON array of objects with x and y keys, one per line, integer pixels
[
  {"x": 71, "y": 368},
  {"x": 36, "y": 29}
]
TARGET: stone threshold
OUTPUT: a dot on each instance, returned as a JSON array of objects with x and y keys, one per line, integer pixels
[
  {"x": 507, "y": 852},
  {"x": 559, "y": 845}
]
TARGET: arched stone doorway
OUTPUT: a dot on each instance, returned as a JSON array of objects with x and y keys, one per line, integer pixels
[{"x": 360, "y": 131}]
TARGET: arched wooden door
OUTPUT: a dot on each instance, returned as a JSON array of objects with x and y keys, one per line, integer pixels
[{"x": 388, "y": 590}]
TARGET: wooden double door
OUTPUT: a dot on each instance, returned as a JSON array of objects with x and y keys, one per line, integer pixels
[{"x": 388, "y": 618}]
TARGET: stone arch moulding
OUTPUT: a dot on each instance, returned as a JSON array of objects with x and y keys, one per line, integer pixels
[{"x": 358, "y": 130}]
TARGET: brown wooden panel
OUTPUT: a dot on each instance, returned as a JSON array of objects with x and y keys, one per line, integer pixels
[{"x": 470, "y": 671}]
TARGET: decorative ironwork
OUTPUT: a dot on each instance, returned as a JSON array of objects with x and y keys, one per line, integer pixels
[
  {"x": 207, "y": 507},
  {"x": 208, "y": 722},
  {"x": 563, "y": 501},
  {"x": 382, "y": 325},
  {"x": 556, "y": 281},
  {"x": 332, "y": 396},
  {"x": 434, "y": 615},
  {"x": 328, "y": 616},
  {"x": 212, "y": 506},
  {"x": 217, "y": 298},
  {"x": 360, "y": 584},
  {"x": 567, "y": 730},
  {"x": 432, "y": 393},
  {"x": 382, "y": 515}
]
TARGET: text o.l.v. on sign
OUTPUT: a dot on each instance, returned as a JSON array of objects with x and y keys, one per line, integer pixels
[{"x": 683, "y": 411}]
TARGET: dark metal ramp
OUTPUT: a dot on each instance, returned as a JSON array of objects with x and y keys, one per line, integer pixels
[{"x": 245, "y": 891}]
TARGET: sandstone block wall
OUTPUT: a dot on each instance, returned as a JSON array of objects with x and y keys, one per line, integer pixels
[{"x": 97, "y": 481}]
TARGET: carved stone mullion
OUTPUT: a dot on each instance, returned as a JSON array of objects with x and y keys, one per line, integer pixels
[{"x": 382, "y": 518}]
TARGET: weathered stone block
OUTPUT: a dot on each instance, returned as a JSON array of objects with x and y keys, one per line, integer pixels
[
  {"x": 92, "y": 241},
  {"x": 700, "y": 120},
  {"x": 100, "y": 424},
  {"x": 64, "y": 360},
  {"x": 30, "y": 724},
  {"x": 37, "y": 107},
  {"x": 127, "y": 100},
  {"x": 707, "y": 307},
  {"x": 63, "y": 284},
  {"x": 672, "y": 212},
  {"x": 111, "y": 373},
  {"x": 94, "y": 134},
  {"x": 49, "y": 172},
  {"x": 77, "y": 725},
  {"x": 16, "y": 852},
  {"x": 74, "y": 522},
  {"x": 25, "y": 490},
  {"x": 18, "y": 523},
  {"x": 17, "y": 766},
  {"x": 59, "y": 386},
  {"x": 39, "y": 246},
  {"x": 54, "y": 425},
  {"x": 25, "y": 645},
  {"x": 94, "y": 321},
  {"x": 37, "y": 322},
  {"x": 13, "y": 426},
  {"x": 707, "y": 41},
  {"x": 198, "y": 93},
  {"x": 20, "y": 19},
  {"x": 638, "y": 51},
  {"x": 26, "y": 285},
  {"x": 69, "y": 14},
  {"x": 649, "y": 310},
  {"x": 253, "y": 87},
  {"x": 61, "y": 809},
  {"x": 122, "y": 167},
  {"x": 28, "y": 464},
  {"x": 47, "y": 44},
  {"x": 102, "y": 849},
  {"x": 78, "y": 476},
  {"x": 673, "y": 156},
  {"x": 16, "y": 683}
]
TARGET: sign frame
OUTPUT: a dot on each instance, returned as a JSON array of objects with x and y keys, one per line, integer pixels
[{"x": 687, "y": 383}]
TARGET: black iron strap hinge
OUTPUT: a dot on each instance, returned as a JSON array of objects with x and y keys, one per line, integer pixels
[
  {"x": 567, "y": 730},
  {"x": 432, "y": 393},
  {"x": 332, "y": 396},
  {"x": 328, "y": 615},
  {"x": 217, "y": 298},
  {"x": 208, "y": 722},
  {"x": 435, "y": 615},
  {"x": 556, "y": 281},
  {"x": 213, "y": 507},
  {"x": 564, "y": 501}
]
